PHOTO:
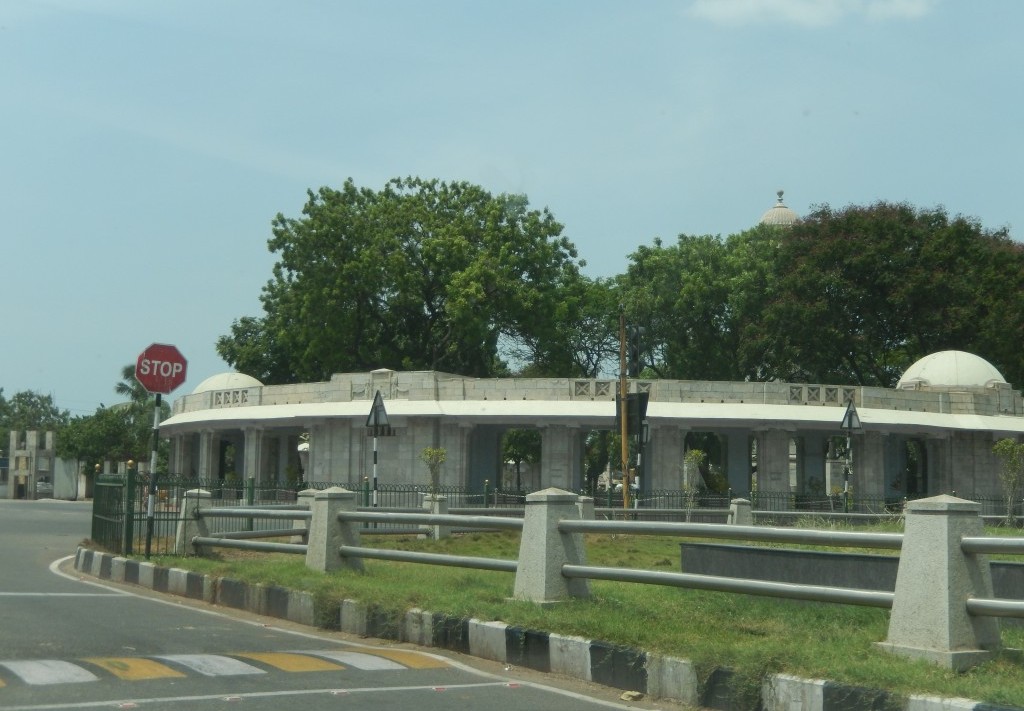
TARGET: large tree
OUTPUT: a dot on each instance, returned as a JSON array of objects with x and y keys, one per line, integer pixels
[
  {"x": 422, "y": 274},
  {"x": 695, "y": 300},
  {"x": 861, "y": 293}
]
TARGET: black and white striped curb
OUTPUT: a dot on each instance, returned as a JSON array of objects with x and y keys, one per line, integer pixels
[{"x": 611, "y": 665}]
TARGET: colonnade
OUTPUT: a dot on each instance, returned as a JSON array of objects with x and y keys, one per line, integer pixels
[{"x": 784, "y": 460}]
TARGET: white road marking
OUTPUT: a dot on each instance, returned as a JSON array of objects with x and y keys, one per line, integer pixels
[
  {"x": 366, "y": 662},
  {"x": 212, "y": 664},
  {"x": 49, "y": 671}
]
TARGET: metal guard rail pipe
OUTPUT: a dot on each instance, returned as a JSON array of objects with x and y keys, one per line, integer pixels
[
  {"x": 989, "y": 607},
  {"x": 458, "y": 561},
  {"x": 851, "y": 539},
  {"x": 240, "y": 512},
  {"x": 271, "y": 533},
  {"x": 264, "y": 546},
  {"x": 507, "y": 524},
  {"x": 816, "y": 593},
  {"x": 970, "y": 544}
]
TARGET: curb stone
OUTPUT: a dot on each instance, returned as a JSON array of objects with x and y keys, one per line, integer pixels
[{"x": 612, "y": 665}]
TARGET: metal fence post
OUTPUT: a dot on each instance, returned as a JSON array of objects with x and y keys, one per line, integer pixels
[
  {"x": 129, "y": 510},
  {"x": 250, "y": 499},
  {"x": 487, "y": 500}
]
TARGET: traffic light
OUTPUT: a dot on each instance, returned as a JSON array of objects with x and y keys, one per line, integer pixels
[
  {"x": 634, "y": 358},
  {"x": 636, "y": 413}
]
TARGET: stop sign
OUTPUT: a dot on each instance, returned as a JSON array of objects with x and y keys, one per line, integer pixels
[{"x": 161, "y": 368}]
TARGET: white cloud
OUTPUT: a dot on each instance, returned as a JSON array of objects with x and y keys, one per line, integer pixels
[{"x": 806, "y": 13}]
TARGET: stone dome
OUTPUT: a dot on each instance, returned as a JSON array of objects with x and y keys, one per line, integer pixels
[
  {"x": 227, "y": 381},
  {"x": 779, "y": 215},
  {"x": 949, "y": 370}
]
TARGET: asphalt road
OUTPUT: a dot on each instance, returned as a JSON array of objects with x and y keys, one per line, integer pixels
[{"x": 67, "y": 642}]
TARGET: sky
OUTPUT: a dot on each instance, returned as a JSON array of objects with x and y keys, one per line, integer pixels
[{"x": 145, "y": 148}]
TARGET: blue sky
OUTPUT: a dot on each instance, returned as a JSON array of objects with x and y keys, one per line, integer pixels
[{"x": 146, "y": 147}]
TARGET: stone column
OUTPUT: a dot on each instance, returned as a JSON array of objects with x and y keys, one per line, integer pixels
[
  {"x": 813, "y": 451},
  {"x": 737, "y": 460},
  {"x": 209, "y": 446},
  {"x": 252, "y": 459},
  {"x": 868, "y": 475},
  {"x": 773, "y": 468},
  {"x": 929, "y": 618},
  {"x": 664, "y": 455},
  {"x": 558, "y": 457}
]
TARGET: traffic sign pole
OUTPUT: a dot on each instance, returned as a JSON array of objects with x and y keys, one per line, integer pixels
[
  {"x": 159, "y": 369},
  {"x": 151, "y": 502}
]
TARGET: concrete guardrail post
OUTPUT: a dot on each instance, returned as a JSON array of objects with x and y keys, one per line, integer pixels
[
  {"x": 304, "y": 499},
  {"x": 437, "y": 506},
  {"x": 741, "y": 513},
  {"x": 586, "y": 506},
  {"x": 327, "y": 534},
  {"x": 929, "y": 618},
  {"x": 191, "y": 525},
  {"x": 544, "y": 549}
]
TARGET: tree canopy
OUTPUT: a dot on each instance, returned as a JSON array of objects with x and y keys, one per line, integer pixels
[
  {"x": 422, "y": 274},
  {"x": 28, "y": 410},
  {"x": 844, "y": 296}
]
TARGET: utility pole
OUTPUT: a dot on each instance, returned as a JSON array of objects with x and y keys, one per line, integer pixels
[{"x": 623, "y": 409}]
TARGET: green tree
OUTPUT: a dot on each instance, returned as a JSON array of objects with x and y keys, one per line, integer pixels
[
  {"x": 1011, "y": 473},
  {"x": 434, "y": 457},
  {"x": 28, "y": 410},
  {"x": 580, "y": 338},
  {"x": 680, "y": 295},
  {"x": 116, "y": 433},
  {"x": 422, "y": 274},
  {"x": 861, "y": 293},
  {"x": 110, "y": 434},
  {"x": 521, "y": 446}
]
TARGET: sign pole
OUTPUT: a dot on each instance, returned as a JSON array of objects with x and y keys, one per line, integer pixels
[
  {"x": 379, "y": 425},
  {"x": 151, "y": 502},
  {"x": 623, "y": 409}
]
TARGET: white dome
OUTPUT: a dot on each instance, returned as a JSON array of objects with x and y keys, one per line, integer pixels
[
  {"x": 780, "y": 215},
  {"x": 227, "y": 381},
  {"x": 951, "y": 369}
]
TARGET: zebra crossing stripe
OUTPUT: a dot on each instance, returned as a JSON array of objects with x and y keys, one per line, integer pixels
[
  {"x": 42, "y": 672},
  {"x": 410, "y": 660},
  {"x": 212, "y": 664},
  {"x": 291, "y": 662},
  {"x": 135, "y": 669},
  {"x": 366, "y": 662}
]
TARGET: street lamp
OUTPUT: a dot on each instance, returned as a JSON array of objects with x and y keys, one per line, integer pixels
[{"x": 851, "y": 422}]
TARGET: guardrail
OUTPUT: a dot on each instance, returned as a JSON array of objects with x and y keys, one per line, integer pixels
[{"x": 943, "y": 608}]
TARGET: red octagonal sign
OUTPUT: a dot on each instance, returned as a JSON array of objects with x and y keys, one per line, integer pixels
[{"x": 161, "y": 368}]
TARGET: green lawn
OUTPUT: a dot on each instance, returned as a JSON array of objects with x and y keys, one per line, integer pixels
[{"x": 752, "y": 635}]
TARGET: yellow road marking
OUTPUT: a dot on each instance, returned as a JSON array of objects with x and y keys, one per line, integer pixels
[
  {"x": 134, "y": 669},
  {"x": 286, "y": 661},
  {"x": 413, "y": 660}
]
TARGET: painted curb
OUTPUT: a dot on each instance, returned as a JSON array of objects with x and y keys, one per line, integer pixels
[{"x": 612, "y": 665}]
